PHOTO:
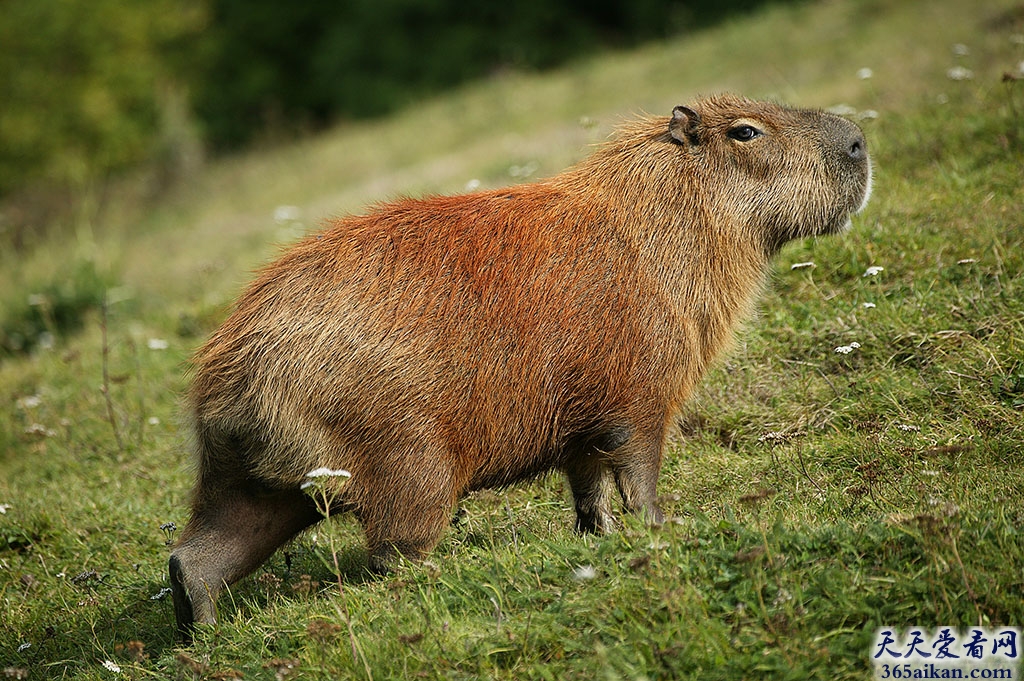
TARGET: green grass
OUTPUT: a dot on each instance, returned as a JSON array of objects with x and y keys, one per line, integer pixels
[{"x": 815, "y": 495}]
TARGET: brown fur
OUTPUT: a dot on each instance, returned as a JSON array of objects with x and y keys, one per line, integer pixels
[{"x": 436, "y": 346}]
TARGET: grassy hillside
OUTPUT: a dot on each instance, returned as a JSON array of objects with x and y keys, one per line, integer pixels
[{"x": 815, "y": 495}]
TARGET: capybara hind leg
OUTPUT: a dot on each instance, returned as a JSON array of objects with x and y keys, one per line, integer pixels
[{"x": 230, "y": 534}]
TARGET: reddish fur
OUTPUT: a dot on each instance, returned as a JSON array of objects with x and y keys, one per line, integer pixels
[{"x": 436, "y": 346}]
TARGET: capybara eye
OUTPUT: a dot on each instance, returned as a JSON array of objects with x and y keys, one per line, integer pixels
[{"x": 744, "y": 133}]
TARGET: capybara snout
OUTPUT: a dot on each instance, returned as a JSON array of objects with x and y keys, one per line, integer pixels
[{"x": 436, "y": 346}]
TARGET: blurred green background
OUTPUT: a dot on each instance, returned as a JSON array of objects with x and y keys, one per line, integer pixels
[{"x": 94, "y": 87}]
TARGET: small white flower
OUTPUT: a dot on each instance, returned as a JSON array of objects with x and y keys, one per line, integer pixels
[
  {"x": 868, "y": 306},
  {"x": 153, "y": 421},
  {"x": 29, "y": 402},
  {"x": 782, "y": 597},
  {"x": 930, "y": 473},
  {"x": 111, "y": 666},
  {"x": 842, "y": 110},
  {"x": 161, "y": 594},
  {"x": 961, "y": 50},
  {"x": 23, "y": 647},
  {"x": 40, "y": 430},
  {"x": 4, "y": 508},
  {"x": 284, "y": 214},
  {"x": 865, "y": 73},
  {"x": 584, "y": 572},
  {"x": 873, "y": 271},
  {"x": 801, "y": 265},
  {"x": 323, "y": 472},
  {"x": 524, "y": 170},
  {"x": 959, "y": 73},
  {"x": 966, "y": 261},
  {"x": 847, "y": 349},
  {"x": 473, "y": 185},
  {"x": 908, "y": 428},
  {"x": 157, "y": 344}
]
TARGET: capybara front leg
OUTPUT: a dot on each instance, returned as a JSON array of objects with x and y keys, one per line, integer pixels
[
  {"x": 405, "y": 512},
  {"x": 590, "y": 484},
  {"x": 229, "y": 535},
  {"x": 636, "y": 468}
]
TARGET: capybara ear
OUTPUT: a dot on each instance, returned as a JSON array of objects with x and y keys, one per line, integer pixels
[{"x": 684, "y": 124}]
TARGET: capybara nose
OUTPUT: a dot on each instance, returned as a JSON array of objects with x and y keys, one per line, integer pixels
[{"x": 857, "y": 147}]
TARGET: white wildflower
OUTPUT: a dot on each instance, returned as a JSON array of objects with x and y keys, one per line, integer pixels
[
  {"x": 40, "y": 430},
  {"x": 4, "y": 508},
  {"x": 157, "y": 344},
  {"x": 783, "y": 596},
  {"x": 584, "y": 572},
  {"x": 868, "y": 306},
  {"x": 524, "y": 170},
  {"x": 873, "y": 271},
  {"x": 842, "y": 110},
  {"x": 847, "y": 349},
  {"x": 930, "y": 473},
  {"x": 283, "y": 214},
  {"x": 23, "y": 647},
  {"x": 961, "y": 50},
  {"x": 323, "y": 472},
  {"x": 908, "y": 428},
  {"x": 161, "y": 594},
  {"x": 801, "y": 265},
  {"x": 153, "y": 421},
  {"x": 473, "y": 185},
  {"x": 111, "y": 666},
  {"x": 966, "y": 261},
  {"x": 959, "y": 73},
  {"x": 29, "y": 402},
  {"x": 865, "y": 73}
]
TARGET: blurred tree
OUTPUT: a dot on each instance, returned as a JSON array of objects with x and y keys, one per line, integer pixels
[
  {"x": 92, "y": 86},
  {"x": 293, "y": 66},
  {"x": 82, "y": 82}
]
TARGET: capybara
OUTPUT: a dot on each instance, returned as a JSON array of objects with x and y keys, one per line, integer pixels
[{"x": 436, "y": 346}]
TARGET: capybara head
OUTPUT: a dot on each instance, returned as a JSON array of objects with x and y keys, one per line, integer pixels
[
  {"x": 779, "y": 173},
  {"x": 435, "y": 346}
]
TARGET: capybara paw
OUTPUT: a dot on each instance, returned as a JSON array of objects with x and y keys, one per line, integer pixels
[{"x": 183, "y": 612}]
